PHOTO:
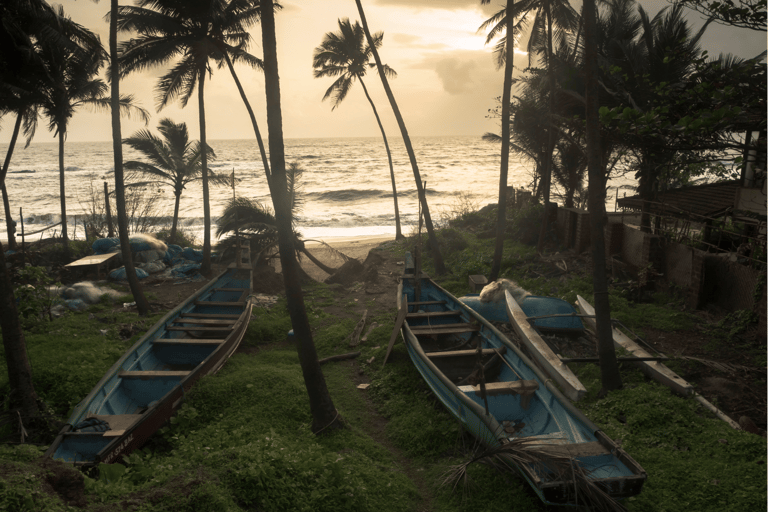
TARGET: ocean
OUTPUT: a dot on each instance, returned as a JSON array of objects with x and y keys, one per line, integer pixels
[{"x": 345, "y": 189}]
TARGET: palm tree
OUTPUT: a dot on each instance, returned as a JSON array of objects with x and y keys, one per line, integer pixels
[
  {"x": 73, "y": 86},
  {"x": 252, "y": 220},
  {"x": 189, "y": 33},
  {"x": 346, "y": 55},
  {"x": 509, "y": 64},
  {"x": 325, "y": 417},
  {"x": 436, "y": 254},
  {"x": 174, "y": 160}
]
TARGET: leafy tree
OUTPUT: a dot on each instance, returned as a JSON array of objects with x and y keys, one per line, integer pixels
[
  {"x": 749, "y": 14},
  {"x": 436, "y": 254},
  {"x": 324, "y": 413},
  {"x": 346, "y": 55},
  {"x": 189, "y": 33},
  {"x": 175, "y": 160}
]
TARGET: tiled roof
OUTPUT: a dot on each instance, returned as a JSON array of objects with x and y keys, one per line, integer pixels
[{"x": 711, "y": 200}]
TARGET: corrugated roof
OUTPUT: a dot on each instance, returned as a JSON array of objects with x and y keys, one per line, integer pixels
[{"x": 711, "y": 200}]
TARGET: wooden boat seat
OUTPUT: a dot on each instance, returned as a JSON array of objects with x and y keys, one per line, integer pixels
[
  {"x": 209, "y": 315},
  {"x": 426, "y": 330},
  {"x": 205, "y": 321},
  {"x": 224, "y": 328},
  {"x": 218, "y": 303},
  {"x": 125, "y": 374},
  {"x": 592, "y": 449},
  {"x": 118, "y": 424},
  {"x": 188, "y": 341},
  {"x": 433, "y": 314},
  {"x": 524, "y": 388},
  {"x": 428, "y": 303},
  {"x": 461, "y": 353}
]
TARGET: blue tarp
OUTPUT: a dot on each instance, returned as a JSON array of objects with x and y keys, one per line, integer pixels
[
  {"x": 105, "y": 245},
  {"x": 120, "y": 274},
  {"x": 192, "y": 254},
  {"x": 172, "y": 253}
]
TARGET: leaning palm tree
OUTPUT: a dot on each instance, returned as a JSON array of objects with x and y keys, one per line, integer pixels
[
  {"x": 175, "y": 161},
  {"x": 189, "y": 33},
  {"x": 346, "y": 55},
  {"x": 325, "y": 417},
  {"x": 437, "y": 256}
]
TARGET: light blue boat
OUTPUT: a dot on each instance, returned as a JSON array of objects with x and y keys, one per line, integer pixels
[
  {"x": 510, "y": 400},
  {"x": 148, "y": 384}
]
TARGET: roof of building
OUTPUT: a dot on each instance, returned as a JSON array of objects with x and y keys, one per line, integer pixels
[{"x": 695, "y": 202}]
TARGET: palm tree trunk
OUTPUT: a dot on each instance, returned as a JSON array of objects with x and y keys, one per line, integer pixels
[
  {"x": 501, "y": 218},
  {"x": 22, "y": 395},
  {"x": 546, "y": 179},
  {"x": 398, "y": 230},
  {"x": 62, "y": 196},
  {"x": 175, "y": 217},
  {"x": 263, "y": 151},
  {"x": 117, "y": 149},
  {"x": 205, "y": 267},
  {"x": 611, "y": 378},
  {"x": 10, "y": 226},
  {"x": 325, "y": 268},
  {"x": 436, "y": 255},
  {"x": 324, "y": 414}
]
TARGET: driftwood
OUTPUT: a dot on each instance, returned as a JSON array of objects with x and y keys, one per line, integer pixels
[
  {"x": 354, "y": 339},
  {"x": 339, "y": 357},
  {"x": 370, "y": 328}
]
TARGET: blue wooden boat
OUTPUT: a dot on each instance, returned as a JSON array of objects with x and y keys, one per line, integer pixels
[
  {"x": 148, "y": 383},
  {"x": 509, "y": 403}
]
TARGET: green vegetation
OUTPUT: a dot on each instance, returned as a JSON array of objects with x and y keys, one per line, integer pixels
[{"x": 243, "y": 440}]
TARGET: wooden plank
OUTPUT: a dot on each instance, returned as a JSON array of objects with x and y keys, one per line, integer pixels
[
  {"x": 460, "y": 353},
  {"x": 199, "y": 328},
  {"x": 205, "y": 321},
  {"x": 427, "y": 303},
  {"x": 425, "y": 330},
  {"x": 151, "y": 374},
  {"x": 515, "y": 387},
  {"x": 398, "y": 325},
  {"x": 231, "y": 290},
  {"x": 433, "y": 314},
  {"x": 541, "y": 353},
  {"x": 653, "y": 369},
  {"x": 187, "y": 341},
  {"x": 210, "y": 315},
  {"x": 592, "y": 449},
  {"x": 218, "y": 303},
  {"x": 93, "y": 259}
]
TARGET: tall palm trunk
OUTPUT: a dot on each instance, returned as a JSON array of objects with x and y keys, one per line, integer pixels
[
  {"x": 175, "y": 221},
  {"x": 436, "y": 255},
  {"x": 117, "y": 149},
  {"x": 324, "y": 414},
  {"x": 263, "y": 151},
  {"x": 62, "y": 195},
  {"x": 205, "y": 267},
  {"x": 609, "y": 370},
  {"x": 398, "y": 231},
  {"x": 546, "y": 179},
  {"x": 9, "y": 224},
  {"x": 501, "y": 219}
]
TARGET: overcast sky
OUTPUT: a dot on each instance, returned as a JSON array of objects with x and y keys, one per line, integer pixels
[{"x": 446, "y": 83}]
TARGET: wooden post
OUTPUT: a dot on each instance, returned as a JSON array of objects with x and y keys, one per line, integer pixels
[
  {"x": 111, "y": 232},
  {"x": 23, "y": 256}
]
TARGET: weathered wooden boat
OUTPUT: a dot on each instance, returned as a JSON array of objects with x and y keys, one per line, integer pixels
[
  {"x": 148, "y": 383},
  {"x": 504, "y": 401},
  {"x": 541, "y": 353}
]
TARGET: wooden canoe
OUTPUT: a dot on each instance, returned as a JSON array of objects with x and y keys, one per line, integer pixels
[
  {"x": 541, "y": 353},
  {"x": 512, "y": 401},
  {"x": 653, "y": 369},
  {"x": 148, "y": 383}
]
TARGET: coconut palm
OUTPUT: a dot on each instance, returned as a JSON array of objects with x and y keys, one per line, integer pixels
[
  {"x": 325, "y": 417},
  {"x": 346, "y": 55},
  {"x": 175, "y": 161},
  {"x": 188, "y": 33},
  {"x": 437, "y": 256},
  {"x": 74, "y": 85}
]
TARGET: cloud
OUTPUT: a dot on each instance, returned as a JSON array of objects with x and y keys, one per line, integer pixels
[
  {"x": 449, "y": 5},
  {"x": 462, "y": 71},
  {"x": 456, "y": 76}
]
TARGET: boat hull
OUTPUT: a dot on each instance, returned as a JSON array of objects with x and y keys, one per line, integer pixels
[
  {"x": 509, "y": 409},
  {"x": 147, "y": 385}
]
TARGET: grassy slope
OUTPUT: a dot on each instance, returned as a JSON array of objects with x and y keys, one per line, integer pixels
[{"x": 242, "y": 440}]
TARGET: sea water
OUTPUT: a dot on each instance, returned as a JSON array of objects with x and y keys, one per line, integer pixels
[{"x": 344, "y": 191}]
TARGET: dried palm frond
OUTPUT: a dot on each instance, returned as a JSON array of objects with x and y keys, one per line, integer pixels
[{"x": 531, "y": 456}]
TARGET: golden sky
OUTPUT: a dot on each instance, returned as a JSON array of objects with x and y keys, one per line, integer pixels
[{"x": 446, "y": 81}]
